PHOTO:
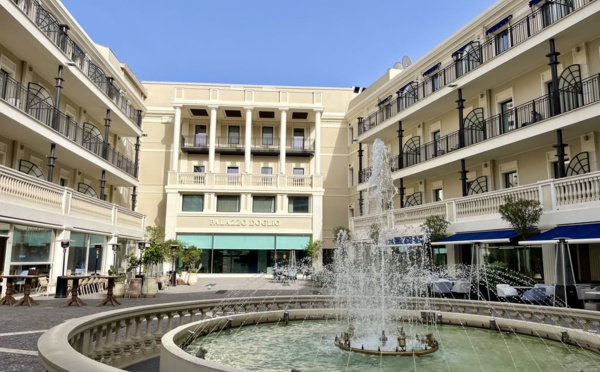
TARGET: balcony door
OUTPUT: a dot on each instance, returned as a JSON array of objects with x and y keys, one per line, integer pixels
[
  {"x": 200, "y": 135},
  {"x": 298, "y": 142},
  {"x": 507, "y": 120}
]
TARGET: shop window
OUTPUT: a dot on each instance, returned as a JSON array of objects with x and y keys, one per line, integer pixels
[
  {"x": 228, "y": 203},
  {"x": 263, "y": 204},
  {"x": 192, "y": 203},
  {"x": 298, "y": 204}
]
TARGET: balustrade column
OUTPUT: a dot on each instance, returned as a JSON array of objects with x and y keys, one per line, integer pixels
[
  {"x": 248, "y": 142},
  {"x": 128, "y": 341},
  {"x": 212, "y": 138},
  {"x": 107, "y": 356},
  {"x": 117, "y": 345},
  {"x": 318, "y": 113},
  {"x": 176, "y": 139},
  {"x": 148, "y": 337},
  {"x": 282, "y": 140}
]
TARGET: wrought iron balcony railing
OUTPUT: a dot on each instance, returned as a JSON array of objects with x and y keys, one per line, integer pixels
[
  {"x": 57, "y": 33},
  {"x": 16, "y": 95},
  {"x": 479, "y": 129},
  {"x": 201, "y": 141},
  {"x": 479, "y": 53}
]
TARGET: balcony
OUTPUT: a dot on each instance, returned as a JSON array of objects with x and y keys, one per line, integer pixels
[
  {"x": 199, "y": 144},
  {"x": 469, "y": 58},
  {"x": 479, "y": 129},
  {"x": 556, "y": 195},
  {"x": 223, "y": 181},
  {"x": 63, "y": 206},
  {"x": 26, "y": 101},
  {"x": 46, "y": 22}
]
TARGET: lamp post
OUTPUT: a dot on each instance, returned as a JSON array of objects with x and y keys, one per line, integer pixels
[
  {"x": 98, "y": 248},
  {"x": 65, "y": 245},
  {"x": 141, "y": 247},
  {"x": 174, "y": 249},
  {"x": 115, "y": 248}
]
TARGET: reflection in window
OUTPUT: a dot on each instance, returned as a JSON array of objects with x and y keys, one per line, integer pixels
[
  {"x": 263, "y": 204},
  {"x": 298, "y": 204},
  {"x": 502, "y": 41},
  {"x": 192, "y": 203},
  {"x": 267, "y": 136},
  {"x": 228, "y": 203}
]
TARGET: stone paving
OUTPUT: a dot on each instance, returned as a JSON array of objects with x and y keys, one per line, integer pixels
[{"x": 20, "y": 327}]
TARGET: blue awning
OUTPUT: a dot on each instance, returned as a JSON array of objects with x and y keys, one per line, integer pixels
[
  {"x": 533, "y": 2},
  {"x": 494, "y": 236},
  {"x": 385, "y": 100},
  {"x": 407, "y": 240},
  {"x": 575, "y": 234},
  {"x": 432, "y": 69},
  {"x": 498, "y": 25}
]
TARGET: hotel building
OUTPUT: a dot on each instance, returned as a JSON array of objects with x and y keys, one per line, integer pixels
[{"x": 70, "y": 128}]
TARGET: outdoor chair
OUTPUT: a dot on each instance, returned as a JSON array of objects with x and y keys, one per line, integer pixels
[
  {"x": 20, "y": 283},
  {"x": 42, "y": 287}
]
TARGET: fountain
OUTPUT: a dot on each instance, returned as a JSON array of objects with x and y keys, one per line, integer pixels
[{"x": 381, "y": 283}]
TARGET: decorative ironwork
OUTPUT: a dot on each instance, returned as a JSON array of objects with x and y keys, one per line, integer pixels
[
  {"x": 86, "y": 189},
  {"x": 478, "y": 186},
  {"x": 580, "y": 164},
  {"x": 571, "y": 89},
  {"x": 30, "y": 168},
  {"x": 414, "y": 199},
  {"x": 475, "y": 127},
  {"x": 92, "y": 138},
  {"x": 410, "y": 94},
  {"x": 468, "y": 58},
  {"x": 412, "y": 153}
]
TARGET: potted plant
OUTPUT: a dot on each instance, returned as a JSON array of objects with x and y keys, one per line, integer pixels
[
  {"x": 189, "y": 258},
  {"x": 119, "y": 289},
  {"x": 156, "y": 252},
  {"x": 522, "y": 215}
]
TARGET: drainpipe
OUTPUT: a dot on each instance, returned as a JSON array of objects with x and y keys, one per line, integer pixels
[
  {"x": 106, "y": 133},
  {"x": 59, "y": 81},
  {"x": 360, "y": 202},
  {"x": 401, "y": 192},
  {"x": 555, "y": 99},
  {"x": 461, "y": 119},
  {"x": 137, "y": 157},
  {"x": 360, "y": 163},
  {"x": 463, "y": 177},
  {"x": 400, "y": 139},
  {"x": 51, "y": 160},
  {"x": 134, "y": 198},
  {"x": 560, "y": 153},
  {"x": 103, "y": 185}
]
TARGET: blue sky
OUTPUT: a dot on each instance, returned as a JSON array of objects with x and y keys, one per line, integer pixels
[{"x": 328, "y": 43}]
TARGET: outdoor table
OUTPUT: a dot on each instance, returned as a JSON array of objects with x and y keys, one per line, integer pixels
[
  {"x": 109, "y": 291},
  {"x": 74, "y": 291},
  {"x": 26, "y": 291}
]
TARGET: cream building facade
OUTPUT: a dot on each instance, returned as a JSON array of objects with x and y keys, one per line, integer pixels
[
  {"x": 507, "y": 106},
  {"x": 70, "y": 115},
  {"x": 245, "y": 172}
]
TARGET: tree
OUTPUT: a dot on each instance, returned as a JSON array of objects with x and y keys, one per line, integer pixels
[
  {"x": 313, "y": 248},
  {"x": 435, "y": 227},
  {"x": 158, "y": 249},
  {"x": 523, "y": 215},
  {"x": 190, "y": 257}
]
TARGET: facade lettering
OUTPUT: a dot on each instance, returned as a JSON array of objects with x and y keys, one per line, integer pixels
[{"x": 243, "y": 222}]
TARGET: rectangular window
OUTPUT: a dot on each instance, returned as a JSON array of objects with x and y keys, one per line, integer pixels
[
  {"x": 438, "y": 195},
  {"x": 228, "y": 203},
  {"x": 263, "y": 204},
  {"x": 351, "y": 177},
  {"x": 200, "y": 135},
  {"x": 199, "y": 169},
  {"x": 510, "y": 179},
  {"x": 298, "y": 204},
  {"x": 507, "y": 119},
  {"x": 435, "y": 82},
  {"x": 502, "y": 41},
  {"x": 267, "y": 136},
  {"x": 63, "y": 182},
  {"x": 192, "y": 203},
  {"x": 298, "y": 139},
  {"x": 234, "y": 135},
  {"x": 298, "y": 181},
  {"x": 436, "y": 137},
  {"x": 233, "y": 180},
  {"x": 268, "y": 179}
]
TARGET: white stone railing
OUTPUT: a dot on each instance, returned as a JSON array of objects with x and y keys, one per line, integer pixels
[
  {"x": 224, "y": 180},
  {"x": 552, "y": 194},
  {"x": 20, "y": 189},
  {"x": 120, "y": 338}
]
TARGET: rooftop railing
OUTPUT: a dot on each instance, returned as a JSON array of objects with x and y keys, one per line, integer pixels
[
  {"x": 58, "y": 35},
  {"x": 23, "y": 99},
  {"x": 479, "y": 54},
  {"x": 527, "y": 114}
]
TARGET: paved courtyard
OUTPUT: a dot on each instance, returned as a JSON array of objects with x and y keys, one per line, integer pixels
[{"x": 20, "y": 327}]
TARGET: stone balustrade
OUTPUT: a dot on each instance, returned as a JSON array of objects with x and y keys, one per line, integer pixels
[
  {"x": 119, "y": 338},
  {"x": 220, "y": 180}
]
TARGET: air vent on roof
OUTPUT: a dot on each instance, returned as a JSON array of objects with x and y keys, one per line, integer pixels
[
  {"x": 233, "y": 113},
  {"x": 199, "y": 112},
  {"x": 266, "y": 114},
  {"x": 300, "y": 115}
]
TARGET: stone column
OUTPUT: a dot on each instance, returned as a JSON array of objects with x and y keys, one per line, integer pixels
[
  {"x": 282, "y": 141},
  {"x": 212, "y": 138},
  {"x": 248, "y": 142},
  {"x": 318, "y": 113},
  {"x": 176, "y": 139}
]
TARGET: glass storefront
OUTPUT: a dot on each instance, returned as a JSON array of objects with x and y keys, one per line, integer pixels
[
  {"x": 82, "y": 254},
  {"x": 239, "y": 253},
  {"x": 31, "y": 249}
]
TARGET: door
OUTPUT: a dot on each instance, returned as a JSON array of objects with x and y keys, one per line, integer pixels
[
  {"x": 298, "y": 139},
  {"x": 200, "y": 135}
]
